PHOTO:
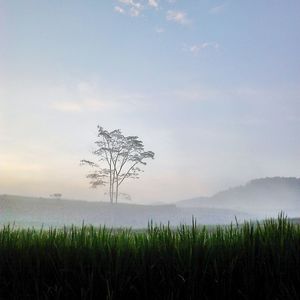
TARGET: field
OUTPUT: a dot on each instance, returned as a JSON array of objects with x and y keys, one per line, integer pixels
[
  {"x": 249, "y": 261},
  {"x": 44, "y": 212}
]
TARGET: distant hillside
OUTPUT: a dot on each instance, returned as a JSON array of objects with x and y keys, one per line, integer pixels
[
  {"x": 27, "y": 211},
  {"x": 259, "y": 195}
]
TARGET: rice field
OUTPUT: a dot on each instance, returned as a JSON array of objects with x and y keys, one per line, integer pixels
[{"x": 249, "y": 261}]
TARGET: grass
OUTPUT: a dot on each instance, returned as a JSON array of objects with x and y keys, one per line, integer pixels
[{"x": 250, "y": 261}]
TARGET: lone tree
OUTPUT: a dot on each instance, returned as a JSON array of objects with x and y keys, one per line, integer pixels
[{"x": 118, "y": 157}]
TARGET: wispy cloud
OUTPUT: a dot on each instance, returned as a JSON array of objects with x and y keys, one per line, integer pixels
[
  {"x": 153, "y": 3},
  {"x": 131, "y": 3},
  {"x": 135, "y": 8},
  {"x": 129, "y": 7},
  {"x": 119, "y": 9},
  {"x": 217, "y": 9},
  {"x": 197, "y": 48},
  {"x": 179, "y": 17},
  {"x": 134, "y": 12},
  {"x": 89, "y": 97}
]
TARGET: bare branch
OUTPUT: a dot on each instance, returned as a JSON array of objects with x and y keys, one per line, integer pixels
[{"x": 90, "y": 163}]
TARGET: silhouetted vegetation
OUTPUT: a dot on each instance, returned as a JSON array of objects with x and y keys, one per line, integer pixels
[
  {"x": 119, "y": 157},
  {"x": 253, "y": 261}
]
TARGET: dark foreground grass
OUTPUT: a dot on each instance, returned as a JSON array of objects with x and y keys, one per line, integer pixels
[{"x": 253, "y": 261}]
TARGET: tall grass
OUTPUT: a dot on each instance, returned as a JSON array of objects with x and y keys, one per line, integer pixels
[{"x": 250, "y": 261}]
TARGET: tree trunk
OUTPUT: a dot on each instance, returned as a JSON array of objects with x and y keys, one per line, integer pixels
[
  {"x": 117, "y": 191},
  {"x": 110, "y": 185},
  {"x": 113, "y": 185}
]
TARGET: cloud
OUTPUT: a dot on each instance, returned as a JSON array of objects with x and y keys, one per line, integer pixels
[
  {"x": 179, "y": 17},
  {"x": 217, "y": 9},
  {"x": 195, "y": 49},
  {"x": 134, "y": 8},
  {"x": 153, "y": 3},
  {"x": 89, "y": 97},
  {"x": 130, "y": 7},
  {"x": 131, "y": 3},
  {"x": 119, "y": 9},
  {"x": 134, "y": 12}
]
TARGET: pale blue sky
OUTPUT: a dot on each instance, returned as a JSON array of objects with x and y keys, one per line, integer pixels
[{"x": 212, "y": 87}]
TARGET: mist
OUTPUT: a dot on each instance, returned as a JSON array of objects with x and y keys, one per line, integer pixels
[{"x": 257, "y": 200}]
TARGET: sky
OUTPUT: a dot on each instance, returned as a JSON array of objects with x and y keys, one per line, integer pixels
[{"x": 212, "y": 87}]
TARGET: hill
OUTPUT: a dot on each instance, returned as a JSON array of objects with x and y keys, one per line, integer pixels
[{"x": 266, "y": 196}]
